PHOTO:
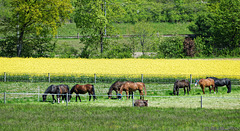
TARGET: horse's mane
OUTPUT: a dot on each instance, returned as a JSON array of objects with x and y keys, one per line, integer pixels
[
  {"x": 72, "y": 89},
  {"x": 49, "y": 89}
]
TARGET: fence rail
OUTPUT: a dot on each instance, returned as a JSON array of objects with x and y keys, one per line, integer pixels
[
  {"x": 108, "y": 78},
  {"x": 175, "y": 101}
]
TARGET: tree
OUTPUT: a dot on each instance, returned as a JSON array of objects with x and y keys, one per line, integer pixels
[
  {"x": 95, "y": 18},
  {"x": 33, "y": 19},
  {"x": 220, "y": 25}
]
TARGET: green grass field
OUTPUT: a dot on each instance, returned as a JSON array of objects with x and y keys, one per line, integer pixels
[{"x": 165, "y": 112}]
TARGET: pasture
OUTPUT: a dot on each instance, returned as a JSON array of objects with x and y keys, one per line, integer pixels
[{"x": 165, "y": 112}]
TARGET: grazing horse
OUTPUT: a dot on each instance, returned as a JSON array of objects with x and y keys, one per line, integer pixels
[
  {"x": 133, "y": 86},
  {"x": 221, "y": 82},
  {"x": 181, "y": 84},
  {"x": 52, "y": 89},
  {"x": 62, "y": 89},
  {"x": 83, "y": 89},
  {"x": 116, "y": 87},
  {"x": 206, "y": 83}
]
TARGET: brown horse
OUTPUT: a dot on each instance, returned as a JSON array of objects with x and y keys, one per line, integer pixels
[
  {"x": 116, "y": 87},
  {"x": 133, "y": 86},
  {"x": 83, "y": 89},
  {"x": 181, "y": 84},
  {"x": 206, "y": 83},
  {"x": 62, "y": 89}
]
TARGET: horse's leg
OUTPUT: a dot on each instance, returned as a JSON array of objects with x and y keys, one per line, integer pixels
[
  {"x": 127, "y": 94},
  {"x": 89, "y": 96},
  {"x": 209, "y": 90},
  {"x": 184, "y": 90},
  {"x": 203, "y": 89},
  {"x": 63, "y": 97},
  {"x": 76, "y": 97},
  {"x": 216, "y": 88},
  {"x": 188, "y": 90},
  {"x": 141, "y": 95},
  {"x": 177, "y": 91},
  {"x": 53, "y": 98}
]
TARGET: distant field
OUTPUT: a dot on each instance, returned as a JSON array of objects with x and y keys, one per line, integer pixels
[{"x": 69, "y": 29}]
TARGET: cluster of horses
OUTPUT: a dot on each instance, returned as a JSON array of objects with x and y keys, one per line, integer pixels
[
  {"x": 129, "y": 87},
  {"x": 119, "y": 86},
  {"x": 208, "y": 82},
  {"x": 63, "y": 90}
]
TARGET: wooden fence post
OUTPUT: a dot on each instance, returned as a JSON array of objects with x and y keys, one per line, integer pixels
[
  {"x": 133, "y": 99},
  {"x": 95, "y": 78},
  {"x": 5, "y": 76},
  {"x": 142, "y": 77},
  {"x": 201, "y": 102},
  {"x": 49, "y": 78},
  {"x": 190, "y": 79},
  {"x": 4, "y": 97},
  {"x": 67, "y": 100}
]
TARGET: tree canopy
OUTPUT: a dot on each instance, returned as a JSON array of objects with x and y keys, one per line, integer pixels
[{"x": 33, "y": 19}]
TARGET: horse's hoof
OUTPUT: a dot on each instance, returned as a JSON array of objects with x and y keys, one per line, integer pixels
[{"x": 62, "y": 101}]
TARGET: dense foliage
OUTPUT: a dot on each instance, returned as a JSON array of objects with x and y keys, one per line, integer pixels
[{"x": 28, "y": 27}]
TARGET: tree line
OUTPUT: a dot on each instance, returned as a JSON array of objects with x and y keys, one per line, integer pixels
[{"x": 28, "y": 27}]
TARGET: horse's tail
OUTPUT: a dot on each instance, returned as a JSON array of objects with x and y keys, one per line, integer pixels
[
  {"x": 174, "y": 88},
  {"x": 145, "y": 89},
  {"x": 229, "y": 86},
  {"x": 94, "y": 96},
  {"x": 189, "y": 86}
]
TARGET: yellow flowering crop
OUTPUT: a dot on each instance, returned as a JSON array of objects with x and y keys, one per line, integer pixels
[{"x": 121, "y": 66}]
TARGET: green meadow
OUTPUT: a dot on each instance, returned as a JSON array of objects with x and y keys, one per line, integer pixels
[{"x": 165, "y": 112}]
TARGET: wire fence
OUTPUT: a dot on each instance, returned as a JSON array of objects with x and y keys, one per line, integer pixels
[
  {"x": 108, "y": 78},
  {"x": 153, "y": 101}
]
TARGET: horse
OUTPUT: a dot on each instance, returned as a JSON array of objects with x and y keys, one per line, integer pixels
[
  {"x": 206, "y": 83},
  {"x": 52, "y": 89},
  {"x": 116, "y": 87},
  {"x": 83, "y": 89},
  {"x": 62, "y": 89},
  {"x": 181, "y": 84},
  {"x": 133, "y": 86},
  {"x": 222, "y": 82}
]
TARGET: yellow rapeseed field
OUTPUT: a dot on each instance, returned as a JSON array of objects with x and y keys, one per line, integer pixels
[{"x": 121, "y": 66}]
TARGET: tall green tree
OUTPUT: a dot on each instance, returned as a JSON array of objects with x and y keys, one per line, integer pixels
[
  {"x": 95, "y": 18},
  {"x": 34, "y": 19},
  {"x": 219, "y": 26}
]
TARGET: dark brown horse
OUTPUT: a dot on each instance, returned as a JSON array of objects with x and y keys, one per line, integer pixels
[
  {"x": 221, "y": 82},
  {"x": 83, "y": 89},
  {"x": 133, "y": 86},
  {"x": 62, "y": 90},
  {"x": 181, "y": 84},
  {"x": 52, "y": 89},
  {"x": 116, "y": 87},
  {"x": 206, "y": 83}
]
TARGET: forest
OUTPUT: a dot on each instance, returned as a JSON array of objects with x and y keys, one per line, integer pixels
[{"x": 120, "y": 28}]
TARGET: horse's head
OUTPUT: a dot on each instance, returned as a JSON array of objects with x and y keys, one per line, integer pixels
[
  {"x": 196, "y": 83},
  {"x": 119, "y": 96},
  {"x": 109, "y": 95},
  {"x": 44, "y": 96}
]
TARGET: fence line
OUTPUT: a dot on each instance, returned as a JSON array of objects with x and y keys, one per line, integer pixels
[
  {"x": 185, "y": 97},
  {"x": 109, "y": 78}
]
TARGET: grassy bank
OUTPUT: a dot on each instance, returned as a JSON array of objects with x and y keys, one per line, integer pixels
[{"x": 52, "y": 117}]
